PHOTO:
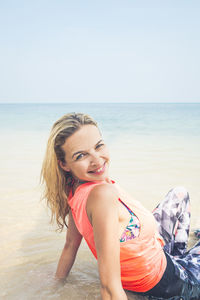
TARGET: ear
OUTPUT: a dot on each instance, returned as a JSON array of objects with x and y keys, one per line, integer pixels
[{"x": 63, "y": 166}]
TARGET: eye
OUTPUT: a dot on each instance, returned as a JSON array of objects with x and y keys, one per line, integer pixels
[
  {"x": 80, "y": 156},
  {"x": 99, "y": 145}
]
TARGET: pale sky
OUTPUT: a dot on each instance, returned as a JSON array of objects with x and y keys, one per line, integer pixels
[{"x": 99, "y": 51}]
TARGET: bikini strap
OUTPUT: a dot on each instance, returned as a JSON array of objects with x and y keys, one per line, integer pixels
[{"x": 130, "y": 211}]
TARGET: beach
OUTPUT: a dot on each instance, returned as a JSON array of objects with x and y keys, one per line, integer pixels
[{"x": 153, "y": 149}]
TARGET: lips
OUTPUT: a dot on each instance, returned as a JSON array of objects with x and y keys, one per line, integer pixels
[{"x": 98, "y": 171}]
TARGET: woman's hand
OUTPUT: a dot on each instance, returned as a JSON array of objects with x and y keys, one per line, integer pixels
[
  {"x": 102, "y": 210},
  {"x": 67, "y": 258}
]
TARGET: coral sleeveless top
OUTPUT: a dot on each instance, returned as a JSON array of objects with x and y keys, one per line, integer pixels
[{"x": 142, "y": 259}]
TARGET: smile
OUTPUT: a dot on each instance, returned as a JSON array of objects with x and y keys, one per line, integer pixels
[{"x": 99, "y": 170}]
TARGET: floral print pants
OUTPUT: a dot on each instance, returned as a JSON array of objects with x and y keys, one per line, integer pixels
[{"x": 173, "y": 218}]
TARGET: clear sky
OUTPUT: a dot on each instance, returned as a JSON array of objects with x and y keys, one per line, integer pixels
[{"x": 109, "y": 51}]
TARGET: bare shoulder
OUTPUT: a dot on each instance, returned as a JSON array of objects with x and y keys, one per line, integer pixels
[
  {"x": 101, "y": 195},
  {"x": 102, "y": 191}
]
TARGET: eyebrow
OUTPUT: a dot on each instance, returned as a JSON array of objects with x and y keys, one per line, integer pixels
[{"x": 81, "y": 151}]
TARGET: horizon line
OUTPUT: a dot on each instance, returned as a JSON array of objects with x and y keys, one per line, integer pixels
[{"x": 122, "y": 102}]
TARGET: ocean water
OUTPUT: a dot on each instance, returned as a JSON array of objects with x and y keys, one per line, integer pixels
[
  {"x": 153, "y": 148},
  {"x": 181, "y": 119}
]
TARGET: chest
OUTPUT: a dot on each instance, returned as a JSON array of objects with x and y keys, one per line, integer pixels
[{"x": 134, "y": 216}]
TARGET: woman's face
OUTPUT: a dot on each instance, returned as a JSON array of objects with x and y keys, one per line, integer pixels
[{"x": 86, "y": 155}]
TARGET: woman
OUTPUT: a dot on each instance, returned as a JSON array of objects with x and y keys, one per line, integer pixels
[{"x": 148, "y": 256}]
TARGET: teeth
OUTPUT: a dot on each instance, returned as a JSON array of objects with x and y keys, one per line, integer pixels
[{"x": 99, "y": 170}]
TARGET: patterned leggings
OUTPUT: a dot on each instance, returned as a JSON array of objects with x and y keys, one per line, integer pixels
[{"x": 173, "y": 218}]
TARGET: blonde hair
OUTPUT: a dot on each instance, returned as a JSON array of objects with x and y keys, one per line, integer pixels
[{"x": 56, "y": 181}]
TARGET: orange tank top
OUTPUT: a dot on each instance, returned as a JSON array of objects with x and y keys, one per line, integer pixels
[{"x": 142, "y": 259}]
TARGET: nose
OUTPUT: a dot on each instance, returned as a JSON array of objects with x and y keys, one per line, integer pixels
[{"x": 95, "y": 159}]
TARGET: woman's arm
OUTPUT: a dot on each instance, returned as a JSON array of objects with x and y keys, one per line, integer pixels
[
  {"x": 102, "y": 210},
  {"x": 67, "y": 258}
]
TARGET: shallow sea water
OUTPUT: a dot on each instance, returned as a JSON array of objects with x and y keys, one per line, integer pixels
[{"x": 148, "y": 165}]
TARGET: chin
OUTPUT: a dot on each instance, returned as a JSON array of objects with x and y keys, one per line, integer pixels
[{"x": 102, "y": 177}]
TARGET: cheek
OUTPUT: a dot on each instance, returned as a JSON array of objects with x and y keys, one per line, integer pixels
[
  {"x": 105, "y": 153},
  {"x": 81, "y": 166}
]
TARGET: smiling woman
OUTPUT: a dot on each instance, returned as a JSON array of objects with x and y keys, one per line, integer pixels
[
  {"x": 136, "y": 250},
  {"x": 58, "y": 181},
  {"x": 91, "y": 160}
]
